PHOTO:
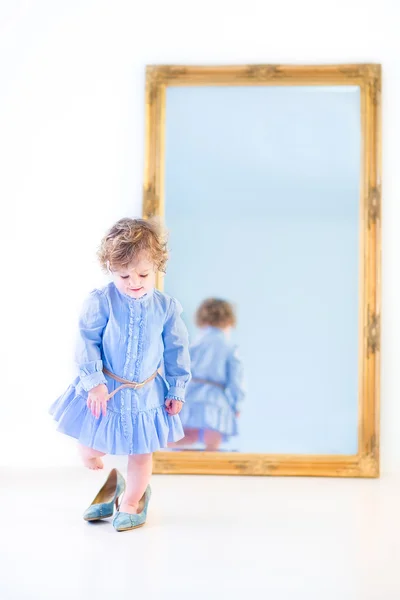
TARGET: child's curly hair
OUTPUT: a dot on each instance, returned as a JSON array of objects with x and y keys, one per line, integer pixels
[
  {"x": 130, "y": 237},
  {"x": 217, "y": 313}
]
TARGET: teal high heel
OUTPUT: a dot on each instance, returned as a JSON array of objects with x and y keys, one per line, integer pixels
[
  {"x": 124, "y": 521},
  {"x": 102, "y": 506}
]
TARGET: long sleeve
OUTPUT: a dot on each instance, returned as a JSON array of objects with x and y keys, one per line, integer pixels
[
  {"x": 235, "y": 380},
  {"x": 88, "y": 356},
  {"x": 176, "y": 353}
]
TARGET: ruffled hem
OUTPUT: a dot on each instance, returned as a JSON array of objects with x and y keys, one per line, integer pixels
[
  {"x": 150, "y": 430},
  {"x": 208, "y": 416}
]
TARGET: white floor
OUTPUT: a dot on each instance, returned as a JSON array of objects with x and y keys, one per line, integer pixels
[{"x": 205, "y": 538}]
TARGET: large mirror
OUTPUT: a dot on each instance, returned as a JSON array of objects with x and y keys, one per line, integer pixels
[{"x": 267, "y": 179}]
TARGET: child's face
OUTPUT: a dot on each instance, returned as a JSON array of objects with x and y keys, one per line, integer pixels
[{"x": 136, "y": 279}]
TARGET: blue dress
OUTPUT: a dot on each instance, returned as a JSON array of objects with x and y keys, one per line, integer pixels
[
  {"x": 207, "y": 406},
  {"x": 132, "y": 338}
]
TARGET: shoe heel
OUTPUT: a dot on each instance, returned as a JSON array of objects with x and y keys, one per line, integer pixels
[{"x": 102, "y": 506}]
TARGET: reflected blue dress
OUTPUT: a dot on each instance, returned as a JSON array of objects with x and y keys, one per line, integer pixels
[
  {"x": 132, "y": 338},
  {"x": 208, "y": 406}
]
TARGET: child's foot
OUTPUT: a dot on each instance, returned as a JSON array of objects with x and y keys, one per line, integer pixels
[
  {"x": 131, "y": 509},
  {"x": 95, "y": 464}
]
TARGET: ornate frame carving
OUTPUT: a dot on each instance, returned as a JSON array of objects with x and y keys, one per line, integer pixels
[{"x": 368, "y": 77}]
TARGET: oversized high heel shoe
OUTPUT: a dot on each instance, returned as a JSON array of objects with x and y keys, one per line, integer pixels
[
  {"x": 125, "y": 521},
  {"x": 102, "y": 506}
]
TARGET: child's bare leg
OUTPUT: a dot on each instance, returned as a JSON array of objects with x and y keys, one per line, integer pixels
[
  {"x": 191, "y": 437},
  {"x": 91, "y": 458},
  {"x": 139, "y": 472},
  {"x": 212, "y": 440}
]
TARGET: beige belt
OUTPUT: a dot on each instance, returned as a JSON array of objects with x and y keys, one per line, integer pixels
[
  {"x": 127, "y": 384},
  {"x": 207, "y": 382}
]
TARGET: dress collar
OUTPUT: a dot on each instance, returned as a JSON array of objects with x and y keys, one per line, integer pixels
[{"x": 211, "y": 330}]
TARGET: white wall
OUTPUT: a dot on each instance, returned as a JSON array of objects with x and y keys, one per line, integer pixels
[{"x": 71, "y": 160}]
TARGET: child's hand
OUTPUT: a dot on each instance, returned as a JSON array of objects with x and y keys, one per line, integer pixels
[
  {"x": 237, "y": 414},
  {"x": 173, "y": 407},
  {"x": 97, "y": 400}
]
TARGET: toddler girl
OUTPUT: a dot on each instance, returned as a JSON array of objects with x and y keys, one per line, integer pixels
[{"x": 120, "y": 403}]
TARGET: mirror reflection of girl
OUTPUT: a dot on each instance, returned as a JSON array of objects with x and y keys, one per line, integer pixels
[{"x": 215, "y": 393}]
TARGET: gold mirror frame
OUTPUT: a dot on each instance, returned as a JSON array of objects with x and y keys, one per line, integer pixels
[{"x": 368, "y": 77}]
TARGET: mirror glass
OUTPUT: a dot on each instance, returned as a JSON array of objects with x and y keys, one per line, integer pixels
[{"x": 262, "y": 204}]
